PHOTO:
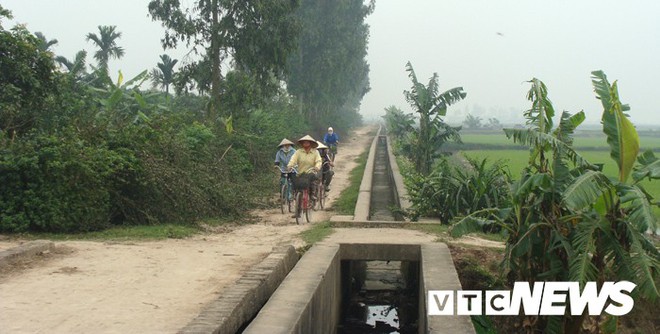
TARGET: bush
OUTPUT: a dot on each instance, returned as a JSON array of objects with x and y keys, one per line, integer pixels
[
  {"x": 57, "y": 183},
  {"x": 453, "y": 191}
]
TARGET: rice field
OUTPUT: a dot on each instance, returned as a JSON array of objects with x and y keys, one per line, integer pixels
[
  {"x": 516, "y": 159},
  {"x": 593, "y": 141}
]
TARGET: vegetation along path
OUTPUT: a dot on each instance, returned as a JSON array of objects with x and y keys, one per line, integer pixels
[{"x": 147, "y": 286}]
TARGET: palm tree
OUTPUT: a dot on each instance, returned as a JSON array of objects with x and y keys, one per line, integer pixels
[
  {"x": 106, "y": 41},
  {"x": 44, "y": 43},
  {"x": 433, "y": 132},
  {"x": 75, "y": 68},
  {"x": 163, "y": 76}
]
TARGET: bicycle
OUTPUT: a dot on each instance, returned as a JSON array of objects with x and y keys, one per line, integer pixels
[
  {"x": 321, "y": 195},
  {"x": 332, "y": 152},
  {"x": 304, "y": 204},
  {"x": 286, "y": 189}
]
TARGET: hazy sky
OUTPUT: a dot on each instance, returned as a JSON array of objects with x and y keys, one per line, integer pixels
[{"x": 491, "y": 48}]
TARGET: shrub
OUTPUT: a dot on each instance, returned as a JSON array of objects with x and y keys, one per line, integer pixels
[
  {"x": 453, "y": 191},
  {"x": 56, "y": 183}
]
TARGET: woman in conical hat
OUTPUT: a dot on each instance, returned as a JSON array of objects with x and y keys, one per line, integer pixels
[
  {"x": 306, "y": 158},
  {"x": 309, "y": 139},
  {"x": 308, "y": 161},
  {"x": 285, "y": 142},
  {"x": 326, "y": 169},
  {"x": 284, "y": 153}
]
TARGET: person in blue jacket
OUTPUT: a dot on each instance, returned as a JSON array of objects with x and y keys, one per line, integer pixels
[{"x": 331, "y": 139}]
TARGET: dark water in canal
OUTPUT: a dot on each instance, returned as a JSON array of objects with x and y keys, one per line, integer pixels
[{"x": 379, "y": 297}]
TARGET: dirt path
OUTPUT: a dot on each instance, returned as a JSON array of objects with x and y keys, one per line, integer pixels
[{"x": 145, "y": 287}]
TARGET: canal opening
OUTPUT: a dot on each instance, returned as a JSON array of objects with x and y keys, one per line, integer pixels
[
  {"x": 383, "y": 202},
  {"x": 363, "y": 288},
  {"x": 379, "y": 297}
]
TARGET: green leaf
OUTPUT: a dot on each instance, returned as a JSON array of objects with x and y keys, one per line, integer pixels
[
  {"x": 533, "y": 183},
  {"x": 473, "y": 223},
  {"x": 621, "y": 134},
  {"x": 140, "y": 77},
  {"x": 640, "y": 212},
  {"x": 649, "y": 166},
  {"x": 581, "y": 268},
  {"x": 645, "y": 264},
  {"x": 585, "y": 190},
  {"x": 541, "y": 113},
  {"x": 533, "y": 138}
]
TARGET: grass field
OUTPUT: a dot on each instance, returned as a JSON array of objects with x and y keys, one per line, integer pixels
[
  {"x": 591, "y": 141},
  {"x": 516, "y": 160}
]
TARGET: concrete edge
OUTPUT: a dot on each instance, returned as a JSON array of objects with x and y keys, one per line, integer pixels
[
  {"x": 402, "y": 192},
  {"x": 363, "y": 202},
  {"x": 306, "y": 301},
  {"x": 240, "y": 302},
  {"x": 439, "y": 273},
  {"x": 298, "y": 299},
  {"x": 11, "y": 255},
  {"x": 378, "y": 224}
]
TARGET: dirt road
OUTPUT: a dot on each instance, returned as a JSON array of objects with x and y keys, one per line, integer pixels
[{"x": 146, "y": 287}]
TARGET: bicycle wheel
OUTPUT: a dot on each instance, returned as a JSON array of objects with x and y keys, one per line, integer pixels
[
  {"x": 283, "y": 197},
  {"x": 333, "y": 152},
  {"x": 322, "y": 196},
  {"x": 290, "y": 202},
  {"x": 299, "y": 207},
  {"x": 308, "y": 207},
  {"x": 315, "y": 204}
]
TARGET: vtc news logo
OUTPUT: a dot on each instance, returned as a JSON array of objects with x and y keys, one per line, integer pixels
[{"x": 546, "y": 298}]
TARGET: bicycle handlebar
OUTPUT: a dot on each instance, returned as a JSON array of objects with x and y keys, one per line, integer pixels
[{"x": 286, "y": 170}]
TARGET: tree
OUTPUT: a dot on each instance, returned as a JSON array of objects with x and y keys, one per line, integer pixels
[
  {"x": 398, "y": 124},
  {"x": 28, "y": 79},
  {"x": 106, "y": 41},
  {"x": 431, "y": 106},
  {"x": 616, "y": 213},
  {"x": 44, "y": 43},
  {"x": 472, "y": 122},
  {"x": 257, "y": 35},
  {"x": 5, "y": 13},
  {"x": 163, "y": 76},
  {"x": 494, "y": 124},
  {"x": 75, "y": 68},
  {"x": 329, "y": 74},
  {"x": 575, "y": 224}
]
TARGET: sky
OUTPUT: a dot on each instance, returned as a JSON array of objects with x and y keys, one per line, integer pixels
[{"x": 490, "y": 48}]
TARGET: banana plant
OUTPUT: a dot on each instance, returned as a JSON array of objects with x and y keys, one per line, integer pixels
[
  {"x": 123, "y": 102},
  {"x": 538, "y": 225},
  {"x": 578, "y": 224},
  {"x": 616, "y": 214},
  {"x": 431, "y": 106}
]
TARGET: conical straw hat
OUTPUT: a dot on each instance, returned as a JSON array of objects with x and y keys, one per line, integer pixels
[
  {"x": 285, "y": 142},
  {"x": 321, "y": 146},
  {"x": 309, "y": 139}
]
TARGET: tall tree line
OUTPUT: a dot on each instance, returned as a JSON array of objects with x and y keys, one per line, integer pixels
[
  {"x": 254, "y": 36},
  {"x": 329, "y": 74}
]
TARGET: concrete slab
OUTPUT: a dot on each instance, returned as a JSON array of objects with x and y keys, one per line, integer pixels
[
  {"x": 242, "y": 301},
  {"x": 340, "y": 218}
]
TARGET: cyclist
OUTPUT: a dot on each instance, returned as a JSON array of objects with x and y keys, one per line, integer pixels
[
  {"x": 308, "y": 161},
  {"x": 282, "y": 157},
  {"x": 326, "y": 170},
  {"x": 331, "y": 139}
]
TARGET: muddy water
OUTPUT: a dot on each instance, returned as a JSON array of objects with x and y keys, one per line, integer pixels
[{"x": 379, "y": 297}]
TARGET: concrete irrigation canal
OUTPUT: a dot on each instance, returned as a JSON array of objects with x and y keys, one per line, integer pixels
[{"x": 343, "y": 285}]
